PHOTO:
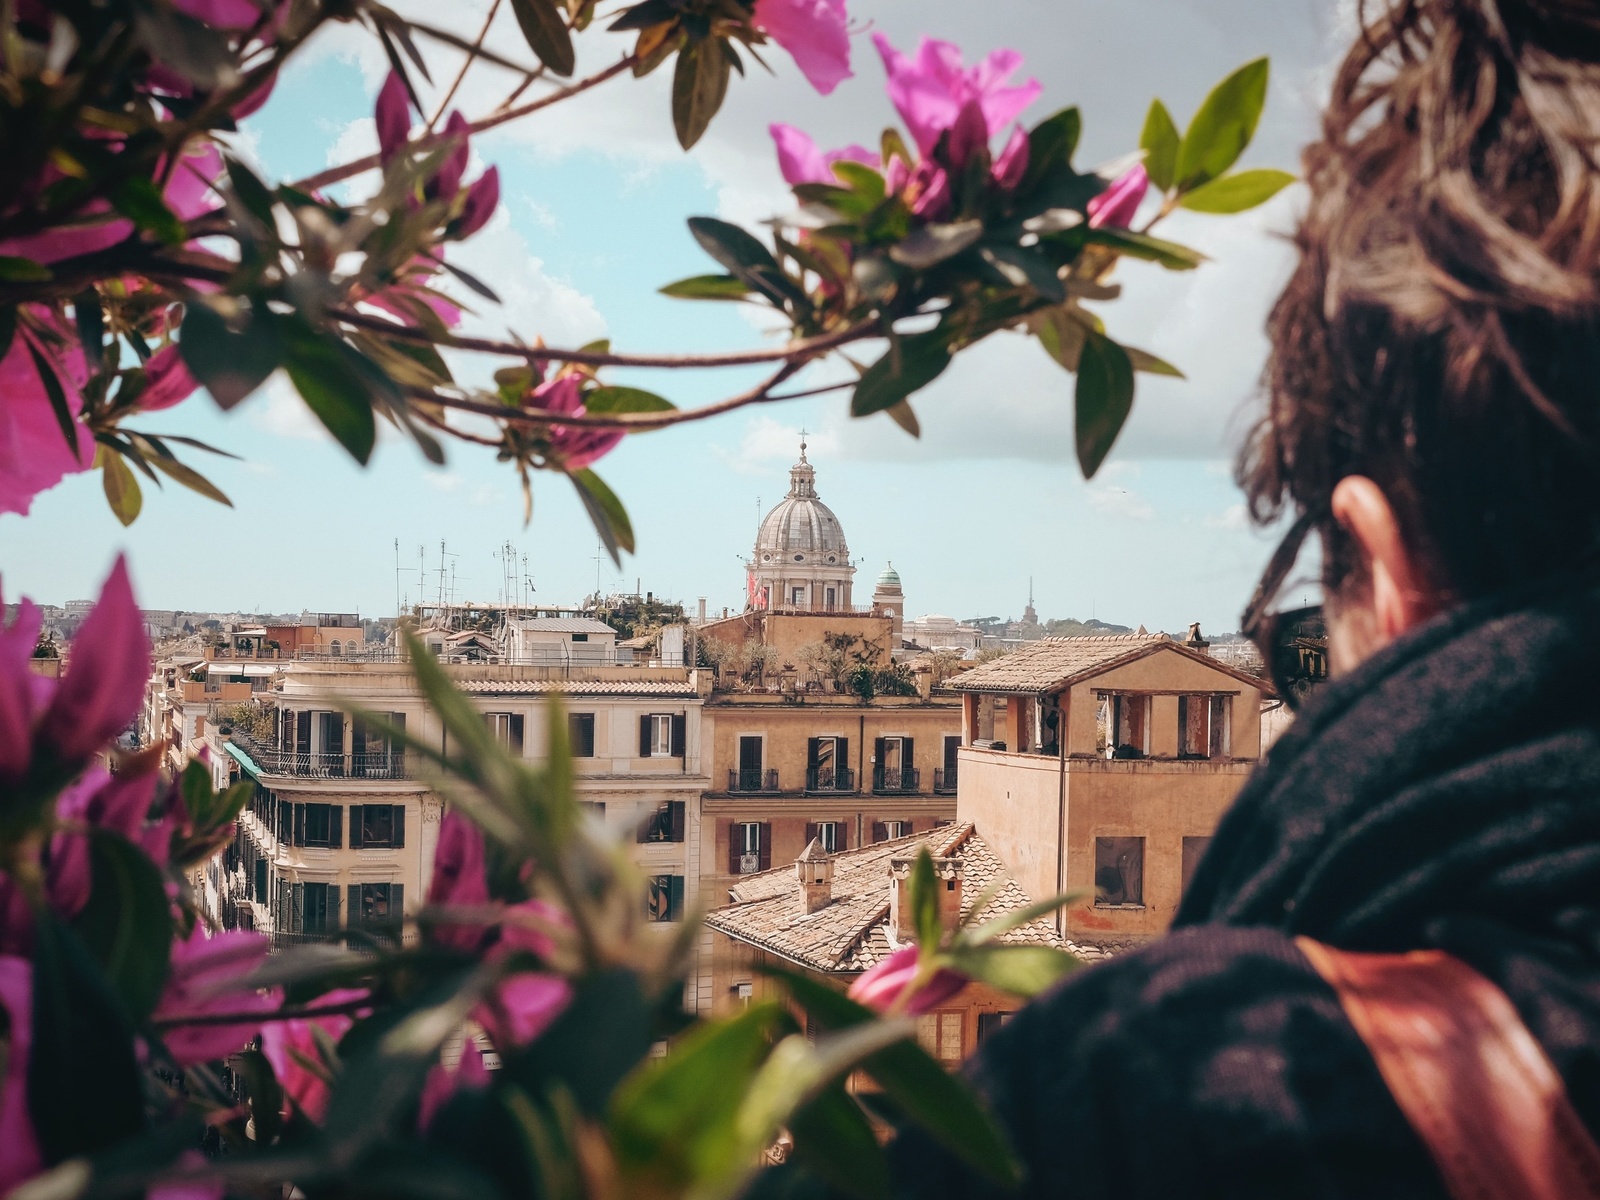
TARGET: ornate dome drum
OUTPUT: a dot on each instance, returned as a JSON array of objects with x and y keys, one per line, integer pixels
[{"x": 801, "y": 560}]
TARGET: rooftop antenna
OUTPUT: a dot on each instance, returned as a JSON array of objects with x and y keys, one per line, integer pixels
[
  {"x": 397, "y": 610},
  {"x": 598, "y": 559}
]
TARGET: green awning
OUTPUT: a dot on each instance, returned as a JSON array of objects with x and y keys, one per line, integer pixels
[{"x": 244, "y": 760}]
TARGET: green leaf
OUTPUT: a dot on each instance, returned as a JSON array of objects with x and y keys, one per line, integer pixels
[
  {"x": 1103, "y": 399},
  {"x": 1051, "y": 144},
  {"x": 1061, "y": 331},
  {"x": 909, "y": 364},
  {"x": 707, "y": 287},
  {"x": 191, "y": 479},
  {"x": 933, "y": 244},
  {"x": 1143, "y": 360},
  {"x": 602, "y": 1035},
  {"x": 1237, "y": 192},
  {"x": 58, "y": 398},
  {"x": 80, "y": 1032},
  {"x": 904, "y": 416},
  {"x": 331, "y": 387},
  {"x": 834, "y": 1139},
  {"x": 141, "y": 202},
  {"x": 1160, "y": 141},
  {"x": 699, "y": 85},
  {"x": 977, "y": 935},
  {"x": 1223, "y": 126},
  {"x": 121, "y": 488},
  {"x": 23, "y": 270},
  {"x": 1023, "y": 267},
  {"x": 194, "y": 788},
  {"x": 610, "y": 400},
  {"x": 264, "y": 1091},
  {"x": 742, "y": 254},
  {"x": 939, "y": 1102},
  {"x": 1021, "y": 970},
  {"x": 250, "y": 191},
  {"x": 546, "y": 33},
  {"x": 1171, "y": 255},
  {"x": 91, "y": 322},
  {"x": 229, "y": 364},
  {"x": 673, "y": 1121},
  {"x": 127, "y": 924},
  {"x": 861, "y": 179},
  {"x": 606, "y": 511},
  {"x": 924, "y": 897}
]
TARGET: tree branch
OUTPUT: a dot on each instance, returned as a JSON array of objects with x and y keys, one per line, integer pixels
[
  {"x": 291, "y": 1013},
  {"x": 466, "y": 65},
  {"x": 429, "y": 141}
]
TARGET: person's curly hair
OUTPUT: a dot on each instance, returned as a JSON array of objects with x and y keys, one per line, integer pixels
[{"x": 1441, "y": 331}]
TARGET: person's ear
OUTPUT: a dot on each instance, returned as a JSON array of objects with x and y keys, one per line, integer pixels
[{"x": 1398, "y": 590}]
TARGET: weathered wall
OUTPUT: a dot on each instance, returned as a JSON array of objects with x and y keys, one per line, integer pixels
[{"x": 1015, "y": 801}]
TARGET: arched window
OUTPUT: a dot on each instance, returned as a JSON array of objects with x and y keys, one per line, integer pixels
[{"x": 334, "y": 648}]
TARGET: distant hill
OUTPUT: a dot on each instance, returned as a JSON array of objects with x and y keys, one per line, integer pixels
[{"x": 1072, "y": 627}]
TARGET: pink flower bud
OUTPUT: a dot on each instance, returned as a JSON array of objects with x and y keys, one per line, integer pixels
[
  {"x": 483, "y": 197},
  {"x": 288, "y": 1045},
  {"x": 882, "y": 986},
  {"x": 168, "y": 381},
  {"x": 104, "y": 683},
  {"x": 393, "y": 115},
  {"x": 1115, "y": 207},
  {"x": 1012, "y": 164}
]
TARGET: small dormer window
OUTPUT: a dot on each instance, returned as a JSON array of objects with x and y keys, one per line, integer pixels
[
  {"x": 580, "y": 637},
  {"x": 799, "y": 558}
]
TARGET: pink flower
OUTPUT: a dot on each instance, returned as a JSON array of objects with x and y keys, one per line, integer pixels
[
  {"x": 527, "y": 926},
  {"x": 19, "y": 1150},
  {"x": 522, "y": 1007},
  {"x": 115, "y": 803},
  {"x": 1012, "y": 164},
  {"x": 801, "y": 161},
  {"x": 1115, "y": 207},
  {"x": 206, "y": 975},
  {"x": 575, "y": 445},
  {"x": 816, "y": 35},
  {"x": 106, "y": 674},
  {"x": 882, "y": 986},
  {"x": 459, "y": 879},
  {"x": 21, "y": 691},
  {"x": 483, "y": 197},
  {"x": 393, "y": 114},
  {"x": 291, "y": 1048},
  {"x": 931, "y": 90},
  {"x": 34, "y": 454},
  {"x": 168, "y": 381}
]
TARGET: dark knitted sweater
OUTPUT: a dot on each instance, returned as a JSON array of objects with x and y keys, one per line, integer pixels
[{"x": 1446, "y": 794}]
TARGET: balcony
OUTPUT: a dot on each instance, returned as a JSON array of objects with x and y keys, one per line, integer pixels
[
  {"x": 944, "y": 781},
  {"x": 834, "y": 780},
  {"x": 370, "y": 764},
  {"x": 896, "y": 781},
  {"x": 752, "y": 780}
]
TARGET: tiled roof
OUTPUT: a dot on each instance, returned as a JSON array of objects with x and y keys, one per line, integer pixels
[
  {"x": 563, "y": 625},
  {"x": 851, "y": 934},
  {"x": 578, "y": 687},
  {"x": 1044, "y": 664}
]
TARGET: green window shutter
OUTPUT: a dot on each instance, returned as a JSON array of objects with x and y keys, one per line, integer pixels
[
  {"x": 399, "y": 826},
  {"x": 355, "y": 826},
  {"x": 353, "y": 906}
]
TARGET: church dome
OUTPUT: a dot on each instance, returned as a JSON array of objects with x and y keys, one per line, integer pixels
[
  {"x": 890, "y": 578},
  {"x": 801, "y": 528}
]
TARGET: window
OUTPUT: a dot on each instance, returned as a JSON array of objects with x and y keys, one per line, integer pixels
[
  {"x": 940, "y": 1035},
  {"x": 317, "y": 905},
  {"x": 990, "y": 1023},
  {"x": 834, "y": 835},
  {"x": 334, "y": 648},
  {"x": 883, "y": 831},
  {"x": 828, "y": 765},
  {"x": 797, "y": 596},
  {"x": 749, "y": 847},
  {"x": 1118, "y": 871},
  {"x": 374, "y": 905},
  {"x": 377, "y": 826},
  {"x": 507, "y": 729},
  {"x": 894, "y": 769},
  {"x": 580, "y": 637},
  {"x": 661, "y": 735},
  {"x": 580, "y": 733},
  {"x": 748, "y": 776},
  {"x": 1194, "y": 849},
  {"x": 1130, "y": 725},
  {"x": 595, "y": 808},
  {"x": 320, "y": 826},
  {"x": 1194, "y": 726},
  {"x": 831, "y": 600},
  {"x": 665, "y": 824},
  {"x": 664, "y": 901}
]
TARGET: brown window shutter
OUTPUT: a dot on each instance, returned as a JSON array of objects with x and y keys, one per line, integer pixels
[
  {"x": 399, "y": 826},
  {"x": 766, "y": 845},
  {"x": 911, "y": 826},
  {"x": 880, "y": 833},
  {"x": 733, "y": 847},
  {"x": 811, "y": 826},
  {"x": 811, "y": 751},
  {"x": 844, "y": 835},
  {"x": 841, "y": 760},
  {"x": 518, "y": 724},
  {"x": 680, "y": 734},
  {"x": 299, "y": 838},
  {"x": 358, "y": 736},
  {"x": 355, "y": 826},
  {"x": 678, "y": 811},
  {"x": 908, "y": 756},
  {"x": 644, "y": 737}
]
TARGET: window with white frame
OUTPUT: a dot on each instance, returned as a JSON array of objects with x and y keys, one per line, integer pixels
[
  {"x": 747, "y": 838},
  {"x": 661, "y": 735},
  {"x": 832, "y": 835},
  {"x": 896, "y": 829}
]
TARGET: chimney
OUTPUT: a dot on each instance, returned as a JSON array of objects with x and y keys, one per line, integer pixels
[
  {"x": 814, "y": 869},
  {"x": 702, "y": 610},
  {"x": 947, "y": 873}
]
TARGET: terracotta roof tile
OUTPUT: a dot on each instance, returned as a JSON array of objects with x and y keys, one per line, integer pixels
[
  {"x": 578, "y": 687},
  {"x": 1041, "y": 665}
]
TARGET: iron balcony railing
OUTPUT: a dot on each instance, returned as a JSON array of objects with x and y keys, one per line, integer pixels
[
  {"x": 752, "y": 779},
  {"x": 369, "y": 764},
  {"x": 895, "y": 780},
  {"x": 830, "y": 779},
  {"x": 944, "y": 780}
]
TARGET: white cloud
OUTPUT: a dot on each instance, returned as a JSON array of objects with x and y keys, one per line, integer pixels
[
  {"x": 767, "y": 442},
  {"x": 277, "y": 409}
]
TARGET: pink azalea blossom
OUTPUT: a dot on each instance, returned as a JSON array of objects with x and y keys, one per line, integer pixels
[
  {"x": 523, "y": 1007},
  {"x": 22, "y": 692},
  {"x": 34, "y": 454},
  {"x": 19, "y": 1149},
  {"x": 483, "y": 197},
  {"x": 114, "y": 803},
  {"x": 1012, "y": 163},
  {"x": 106, "y": 674},
  {"x": 801, "y": 161},
  {"x": 882, "y": 986},
  {"x": 392, "y": 113},
  {"x": 1115, "y": 207},
  {"x": 393, "y": 117},
  {"x": 291, "y": 1048},
  {"x": 528, "y": 926},
  {"x": 815, "y": 33},
  {"x": 459, "y": 879},
  {"x": 206, "y": 975},
  {"x": 576, "y": 446},
  {"x": 168, "y": 381},
  {"x": 931, "y": 90}
]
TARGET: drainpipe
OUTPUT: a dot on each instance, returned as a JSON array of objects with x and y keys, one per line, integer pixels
[{"x": 1061, "y": 815}]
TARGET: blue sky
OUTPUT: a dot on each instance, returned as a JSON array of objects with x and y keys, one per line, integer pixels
[{"x": 596, "y": 194}]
